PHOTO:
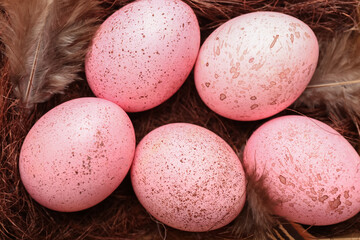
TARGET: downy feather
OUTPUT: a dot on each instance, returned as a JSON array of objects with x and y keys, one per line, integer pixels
[
  {"x": 45, "y": 44},
  {"x": 257, "y": 219},
  {"x": 336, "y": 81}
]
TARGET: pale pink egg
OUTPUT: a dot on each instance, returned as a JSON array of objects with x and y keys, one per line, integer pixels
[
  {"x": 143, "y": 53},
  {"x": 310, "y": 170},
  {"x": 77, "y": 154},
  {"x": 188, "y": 177},
  {"x": 256, "y": 65}
]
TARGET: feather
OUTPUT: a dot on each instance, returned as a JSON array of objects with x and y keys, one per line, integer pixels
[
  {"x": 336, "y": 81},
  {"x": 258, "y": 221},
  {"x": 45, "y": 44}
]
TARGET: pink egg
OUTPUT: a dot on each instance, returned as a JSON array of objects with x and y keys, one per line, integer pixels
[
  {"x": 77, "y": 154},
  {"x": 143, "y": 53},
  {"x": 188, "y": 177},
  {"x": 256, "y": 65},
  {"x": 310, "y": 170}
]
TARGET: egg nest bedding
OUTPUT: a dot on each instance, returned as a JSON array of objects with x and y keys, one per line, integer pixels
[{"x": 121, "y": 216}]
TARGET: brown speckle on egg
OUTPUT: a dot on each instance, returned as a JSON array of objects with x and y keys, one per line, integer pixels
[
  {"x": 254, "y": 106},
  {"x": 335, "y": 203},
  {"x": 334, "y": 190},
  {"x": 346, "y": 194},
  {"x": 222, "y": 96},
  {"x": 274, "y": 40},
  {"x": 323, "y": 198},
  {"x": 282, "y": 179}
]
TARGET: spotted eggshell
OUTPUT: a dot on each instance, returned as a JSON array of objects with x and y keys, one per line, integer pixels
[
  {"x": 256, "y": 65},
  {"x": 310, "y": 170},
  {"x": 188, "y": 177},
  {"x": 77, "y": 154},
  {"x": 143, "y": 53}
]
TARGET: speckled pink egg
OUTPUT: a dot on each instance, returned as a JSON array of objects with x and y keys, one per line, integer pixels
[
  {"x": 256, "y": 65},
  {"x": 310, "y": 170},
  {"x": 188, "y": 177},
  {"x": 143, "y": 53},
  {"x": 77, "y": 154}
]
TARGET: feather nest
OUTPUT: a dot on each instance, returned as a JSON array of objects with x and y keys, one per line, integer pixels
[
  {"x": 336, "y": 81},
  {"x": 45, "y": 44}
]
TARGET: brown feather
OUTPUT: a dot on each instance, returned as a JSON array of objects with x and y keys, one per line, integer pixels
[
  {"x": 256, "y": 218},
  {"x": 336, "y": 81},
  {"x": 258, "y": 221},
  {"x": 45, "y": 43}
]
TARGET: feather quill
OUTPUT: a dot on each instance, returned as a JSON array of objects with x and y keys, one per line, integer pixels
[
  {"x": 336, "y": 81},
  {"x": 45, "y": 44}
]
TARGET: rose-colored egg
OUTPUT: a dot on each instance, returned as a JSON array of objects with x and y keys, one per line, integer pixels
[
  {"x": 256, "y": 65},
  {"x": 188, "y": 177},
  {"x": 143, "y": 53},
  {"x": 77, "y": 154},
  {"x": 310, "y": 170}
]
